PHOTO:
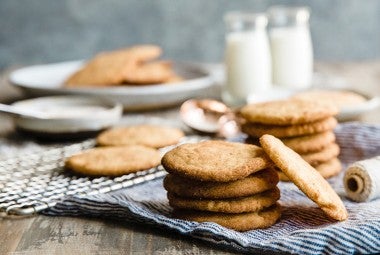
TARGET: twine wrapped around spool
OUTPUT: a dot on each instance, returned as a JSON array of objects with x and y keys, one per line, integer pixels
[{"x": 362, "y": 180}]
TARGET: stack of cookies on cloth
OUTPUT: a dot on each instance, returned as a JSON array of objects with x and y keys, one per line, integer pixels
[
  {"x": 304, "y": 126},
  {"x": 232, "y": 184}
]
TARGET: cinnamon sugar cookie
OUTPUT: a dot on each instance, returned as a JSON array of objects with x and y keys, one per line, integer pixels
[
  {"x": 150, "y": 73},
  {"x": 239, "y": 221},
  {"x": 327, "y": 169},
  {"x": 251, "y": 203},
  {"x": 316, "y": 158},
  {"x": 148, "y": 135},
  {"x": 114, "y": 161},
  {"x": 113, "y": 67},
  {"x": 218, "y": 161},
  {"x": 330, "y": 168},
  {"x": 340, "y": 98},
  {"x": 310, "y": 143},
  {"x": 252, "y": 184},
  {"x": 257, "y": 130},
  {"x": 307, "y": 178},
  {"x": 287, "y": 112}
]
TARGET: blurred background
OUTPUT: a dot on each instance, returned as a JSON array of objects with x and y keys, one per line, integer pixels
[{"x": 45, "y": 31}]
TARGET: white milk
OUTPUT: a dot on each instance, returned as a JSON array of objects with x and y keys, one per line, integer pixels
[
  {"x": 248, "y": 65},
  {"x": 291, "y": 46}
]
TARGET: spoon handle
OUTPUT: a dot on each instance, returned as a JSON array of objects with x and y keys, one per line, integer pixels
[{"x": 17, "y": 111}]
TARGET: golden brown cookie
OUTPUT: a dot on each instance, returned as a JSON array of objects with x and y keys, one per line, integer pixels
[
  {"x": 112, "y": 68},
  {"x": 114, "y": 161},
  {"x": 218, "y": 161},
  {"x": 307, "y": 178},
  {"x": 255, "y": 183},
  {"x": 148, "y": 135},
  {"x": 251, "y": 203},
  {"x": 340, "y": 98},
  {"x": 310, "y": 143},
  {"x": 149, "y": 73},
  {"x": 316, "y": 158},
  {"x": 330, "y": 168},
  {"x": 327, "y": 170},
  {"x": 257, "y": 130},
  {"x": 174, "y": 78},
  {"x": 287, "y": 112},
  {"x": 236, "y": 221}
]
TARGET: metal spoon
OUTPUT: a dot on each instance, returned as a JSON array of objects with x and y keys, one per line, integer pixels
[
  {"x": 209, "y": 116},
  {"x": 22, "y": 112}
]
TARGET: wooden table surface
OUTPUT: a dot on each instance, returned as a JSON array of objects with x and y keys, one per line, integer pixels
[{"x": 68, "y": 235}]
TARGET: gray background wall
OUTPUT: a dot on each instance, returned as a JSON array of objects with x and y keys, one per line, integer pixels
[{"x": 43, "y": 31}]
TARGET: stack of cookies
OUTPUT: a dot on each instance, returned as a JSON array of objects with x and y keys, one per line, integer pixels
[
  {"x": 232, "y": 184},
  {"x": 304, "y": 126}
]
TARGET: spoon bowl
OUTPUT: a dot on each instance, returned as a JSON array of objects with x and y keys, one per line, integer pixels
[{"x": 209, "y": 116}]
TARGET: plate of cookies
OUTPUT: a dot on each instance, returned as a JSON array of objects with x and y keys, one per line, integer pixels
[{"x": 133, "y": 76}]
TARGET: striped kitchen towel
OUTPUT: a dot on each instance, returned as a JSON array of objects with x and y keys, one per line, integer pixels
[{"x": 302, "y": 229}]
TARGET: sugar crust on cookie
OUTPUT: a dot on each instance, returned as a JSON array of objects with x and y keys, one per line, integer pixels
[
  {"x": 113, "y": 161},
  {"x": 255, "y": 183},
  {"x": 149, "y": 135},
  {"x": 287, "y": 112},
  {"x": 215, "y": 160}
]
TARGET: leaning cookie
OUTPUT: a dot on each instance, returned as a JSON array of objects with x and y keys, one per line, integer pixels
[
  {"x": 149, "y": 135},
  {"x": 251, "y": 203},
  {"x": 236, "y": 221},
  {"x": 113, "y": 161},
  {"x": 255, "y": 183},
  {"x": 217, "y": 161},
  {"x": 305, "y": 177}
]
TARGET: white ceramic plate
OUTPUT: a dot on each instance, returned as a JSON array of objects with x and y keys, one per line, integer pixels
[
  {"x": 346, "y": 113},
  {"x": 41, "y": 80},
  {"x": 67, "y": 114}
]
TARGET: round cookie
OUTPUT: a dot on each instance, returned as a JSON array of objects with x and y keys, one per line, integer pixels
[
  {"x": 251, "y": 203},
  {"x": 305, "y": 177},
  {"x": 330, "y": 168},
  {"x": 236, "y": 221},
  {"x": 287, "y": 112},
  {"x": 257, "y": 130},
  {"x": 310, "y": 143},
  {"x": 316, "y": 158},
  {"x": 148, "y": 135},
  {"x": 149, "y": 73},
  {"x": 340, "y": 98},
  {"x": 252, "y": 184},
  {"x": 327, "y": 170},
  {"x": 218, "y": 161},
  {"x": 114, "y": 161},
  {"x": 112, "y": 67}
]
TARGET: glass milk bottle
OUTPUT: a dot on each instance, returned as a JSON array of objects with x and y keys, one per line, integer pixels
[
  {"x": 247, "y": 57},
  {"x": 291, "y": 47}
]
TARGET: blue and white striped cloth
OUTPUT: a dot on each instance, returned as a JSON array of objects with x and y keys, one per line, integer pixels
[{"x": 302, "y": 229}]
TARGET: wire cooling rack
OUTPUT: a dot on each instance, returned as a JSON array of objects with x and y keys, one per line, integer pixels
[{"x": 34, "y": 182}]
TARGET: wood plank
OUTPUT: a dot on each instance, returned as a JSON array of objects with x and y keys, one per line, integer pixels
[
  {"x": 67, "y": 235},
  {"x": 11, "y": 231}
]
